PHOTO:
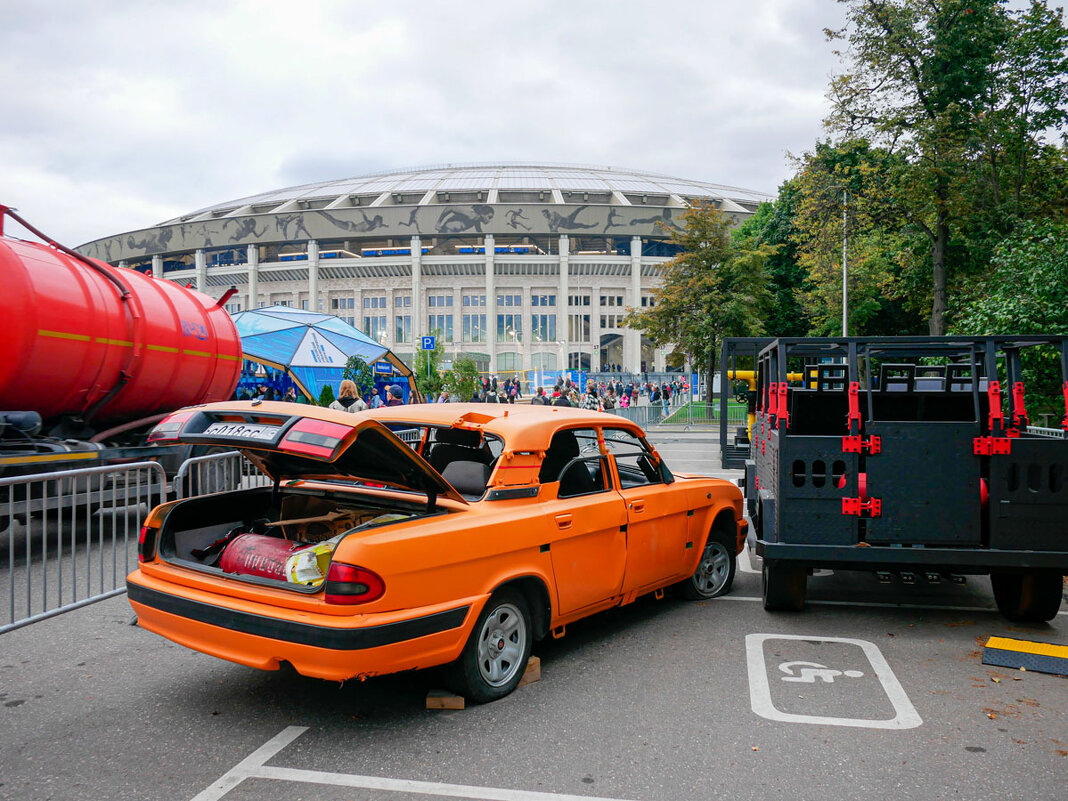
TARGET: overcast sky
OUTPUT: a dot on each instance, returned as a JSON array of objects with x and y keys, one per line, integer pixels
[{"x": 118, "y": 115}]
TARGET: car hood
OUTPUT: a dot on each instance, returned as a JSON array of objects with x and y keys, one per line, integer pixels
[{"x": 292, "y": 447}]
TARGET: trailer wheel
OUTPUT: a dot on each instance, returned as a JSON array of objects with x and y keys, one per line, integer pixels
[
  {"x": 1028, "y": 597},
  {"x": 784, "y": 586}
]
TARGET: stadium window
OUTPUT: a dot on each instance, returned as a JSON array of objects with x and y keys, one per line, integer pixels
[
  {"x": 509, "y": 300},
  {"x": 402, "y": 301},
  {"x": 578, "y": 327},
  {"x": 474, "y": 300},
  {"x": 442, "y": 324},
  {"x": 374, "y": 302},
  {"x": 579, "y": 300},
  {"x": 507, "y": 323},
  {"x": 402, "y": 331},
  {"x": 474, "y": 327},
  {"x": 543, "y": 327},
  {"x": 375, "y": 327},
  {"x": 543, "y": 300},
  {"x": 439, "y": 301}
]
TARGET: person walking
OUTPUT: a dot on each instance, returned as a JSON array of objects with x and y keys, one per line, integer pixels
[{"x": 348, "y": 398}]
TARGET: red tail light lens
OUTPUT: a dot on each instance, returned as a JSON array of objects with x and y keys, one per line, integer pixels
[
  {"x": 349, "y": 584},
  {"x": 146, "y": 544},
  {"x": 170, "y": 427}
]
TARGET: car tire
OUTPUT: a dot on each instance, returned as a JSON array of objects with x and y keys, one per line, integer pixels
[
  {"x": 715, "y": 571},
  {"x": 496, "y": 653},
  {"x": 1031, "y": 597},
  {"x": 784, "y": 586}
]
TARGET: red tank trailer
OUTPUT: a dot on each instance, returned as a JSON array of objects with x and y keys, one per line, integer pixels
[{"x": 94, "y": 355}]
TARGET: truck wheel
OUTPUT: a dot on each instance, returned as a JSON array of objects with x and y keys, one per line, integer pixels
[
  {"x": 784, "y": 586},
  {"x": 715, "y": 571},
  {"x": 1028, "y": 597}
]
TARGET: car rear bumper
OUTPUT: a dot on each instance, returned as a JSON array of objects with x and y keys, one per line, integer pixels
[{"x": 324, "y": 646}]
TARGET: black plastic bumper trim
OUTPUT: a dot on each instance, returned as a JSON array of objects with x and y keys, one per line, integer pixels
[
  {"x": 956, "y": 560},
  {"x": 301, "y": 633}
]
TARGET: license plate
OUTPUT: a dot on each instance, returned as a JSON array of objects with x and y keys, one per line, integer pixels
[{"x": 243, "y": 431}]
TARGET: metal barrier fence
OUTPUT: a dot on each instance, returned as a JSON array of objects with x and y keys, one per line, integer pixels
[
  {"x": 682, "y": 414},
  {"x": 71, "y": 537},
  {"x": 216, "y": 472}
]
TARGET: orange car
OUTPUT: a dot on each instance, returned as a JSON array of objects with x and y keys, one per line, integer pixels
[{"x": 413, "y": 536}]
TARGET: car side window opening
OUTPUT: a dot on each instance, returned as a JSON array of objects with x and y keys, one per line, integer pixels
[
  {"x": 574, "y": 459},
  {"x": 635, "y": 461}
]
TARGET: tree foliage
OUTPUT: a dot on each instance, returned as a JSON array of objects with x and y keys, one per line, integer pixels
[
  {"x": 714, "y": 288},
  {"x": 427, "y": 368},
  {"x": 461, "y": 379},
  {"x": 326, "y": 395},
  {"x": 359, "y": 372},
  {"x": 962, "y": 93}
]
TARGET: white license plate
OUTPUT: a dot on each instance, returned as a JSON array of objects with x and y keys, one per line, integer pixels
[{"x": 242, "y": 431}]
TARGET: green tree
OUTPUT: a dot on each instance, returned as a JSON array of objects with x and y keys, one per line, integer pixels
[
  {"x": 773, "y": 225},
  {"x": 359, "y": 372},
  {"x": 461, "y": 379},
  {"x": 326, "y": 396},
  {"x": 427, "y": 369},
  {"x": 713, "y": 289},
  {"x": 963, "y": 91}
]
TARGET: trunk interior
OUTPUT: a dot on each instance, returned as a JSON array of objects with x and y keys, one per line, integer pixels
[{"x": 276, "y": 537}]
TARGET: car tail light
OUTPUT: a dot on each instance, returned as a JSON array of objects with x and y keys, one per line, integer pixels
[
  {"x": 349, "y": 584},
  {"x": 146, "y": 544},
  {"x": 169, "y": 427},
  {"x": 315, "y": 438}
]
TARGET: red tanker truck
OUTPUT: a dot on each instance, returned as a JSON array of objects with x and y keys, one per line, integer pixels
[{"x": 95, "y": 355}]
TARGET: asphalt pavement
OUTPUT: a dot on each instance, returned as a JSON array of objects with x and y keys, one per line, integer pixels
[{"x": 874, "y": 692}]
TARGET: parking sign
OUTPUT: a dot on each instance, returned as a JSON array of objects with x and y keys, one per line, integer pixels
[{"x": 428, "y": 343}]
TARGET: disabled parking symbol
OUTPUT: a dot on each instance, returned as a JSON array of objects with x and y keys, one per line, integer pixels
[{"x": 834, "y": 681}]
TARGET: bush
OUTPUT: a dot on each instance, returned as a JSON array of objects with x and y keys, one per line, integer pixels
[{"x": 326, "y": 397}]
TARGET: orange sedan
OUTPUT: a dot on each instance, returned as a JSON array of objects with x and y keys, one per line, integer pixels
[{"x": 412, "y": 536}]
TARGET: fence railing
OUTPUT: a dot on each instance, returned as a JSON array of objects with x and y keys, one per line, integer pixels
[
  {"x": 682, "y": 414},
  {"x": 71, "y": 537},
  {"x": 216, "y": 472}
]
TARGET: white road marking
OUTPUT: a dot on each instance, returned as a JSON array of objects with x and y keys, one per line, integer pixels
[
  {"x": 905, "y": 716},
  {"x": 254, "y": 767}
]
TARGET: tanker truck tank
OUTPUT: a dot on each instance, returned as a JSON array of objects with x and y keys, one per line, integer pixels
[
  {"x": 94, "y": 355},
  {"x": 106, "y": 345}
]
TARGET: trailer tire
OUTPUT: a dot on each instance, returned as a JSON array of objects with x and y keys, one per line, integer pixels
[
  {"x": 784, "y": 586},
  {"x": 1031, "y": 597}
]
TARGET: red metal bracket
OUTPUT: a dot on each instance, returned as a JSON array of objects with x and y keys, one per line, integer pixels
[
  {"x": 862, "y": 507},
  {"x": 857, "y": 444},
  {"x": 784, "y": 411},
  {"x": 854, "y": 406},
  {"x": 993, "y": 392},
  {"x": 992, "y": 446},
  {"x": 1019, "y": 411},
  {"x": 1064, "y": 422}
]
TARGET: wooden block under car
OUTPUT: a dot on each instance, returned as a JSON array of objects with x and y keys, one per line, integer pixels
[
  {"x": 532, "y": 673},
  {"x": 443, "y": 699}
]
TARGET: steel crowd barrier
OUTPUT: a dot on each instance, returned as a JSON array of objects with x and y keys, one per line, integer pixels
[
  {"x": 71, "y": 537},
  {"x": 216, "y": 472}
]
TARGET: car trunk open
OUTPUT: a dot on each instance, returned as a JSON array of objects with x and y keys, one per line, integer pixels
[
  {"x": 285, "y": 535},
  {"x": 251, "y": 535}
]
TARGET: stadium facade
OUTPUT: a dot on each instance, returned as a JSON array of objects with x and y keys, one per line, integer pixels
[{"x": 520, "y": 267}]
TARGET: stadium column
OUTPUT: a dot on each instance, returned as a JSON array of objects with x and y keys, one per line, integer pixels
[
  {"x": 632, "y": 338},
  {"x": 253, "y": 276},
  {"x": 561, "y": 301},
  {"x": 201, "y": 262},
  {"x": 491, "y": 303},
  {"x": 313, "y": 275},
  {"x": 419, "y": 327}
]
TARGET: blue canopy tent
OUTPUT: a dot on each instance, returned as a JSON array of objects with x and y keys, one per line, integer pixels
[{"x": 310, "y": 350}]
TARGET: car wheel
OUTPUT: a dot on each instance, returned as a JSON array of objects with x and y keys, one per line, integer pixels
[
  {"x": 784, "y": 586},
  {"x": 1028, "y": 597},
  {"x": 496, "y": 653},
  {"x": 715, "y": 572}
]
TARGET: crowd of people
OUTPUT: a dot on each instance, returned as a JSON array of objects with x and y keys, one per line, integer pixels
[{"x": 599, "y": 395}]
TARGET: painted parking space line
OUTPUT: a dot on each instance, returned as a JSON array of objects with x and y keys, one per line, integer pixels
[
  {"x": 254, "y": 767},
  {"x": 827, "y": 677}
]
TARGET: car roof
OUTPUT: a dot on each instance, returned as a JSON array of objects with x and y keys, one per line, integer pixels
[{"x": 523, "y": 427}]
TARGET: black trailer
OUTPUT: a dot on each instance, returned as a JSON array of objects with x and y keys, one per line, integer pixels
[{"x": 913, "y": 455}]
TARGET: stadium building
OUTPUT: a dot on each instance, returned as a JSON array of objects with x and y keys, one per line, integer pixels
[{"x": 520, "y": 267}]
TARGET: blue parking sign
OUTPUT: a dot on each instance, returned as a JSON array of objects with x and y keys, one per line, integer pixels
[{"x": 428, "y": 343}]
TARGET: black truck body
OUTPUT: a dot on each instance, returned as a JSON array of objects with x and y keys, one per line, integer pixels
[{"x": 907, "y": 454}]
